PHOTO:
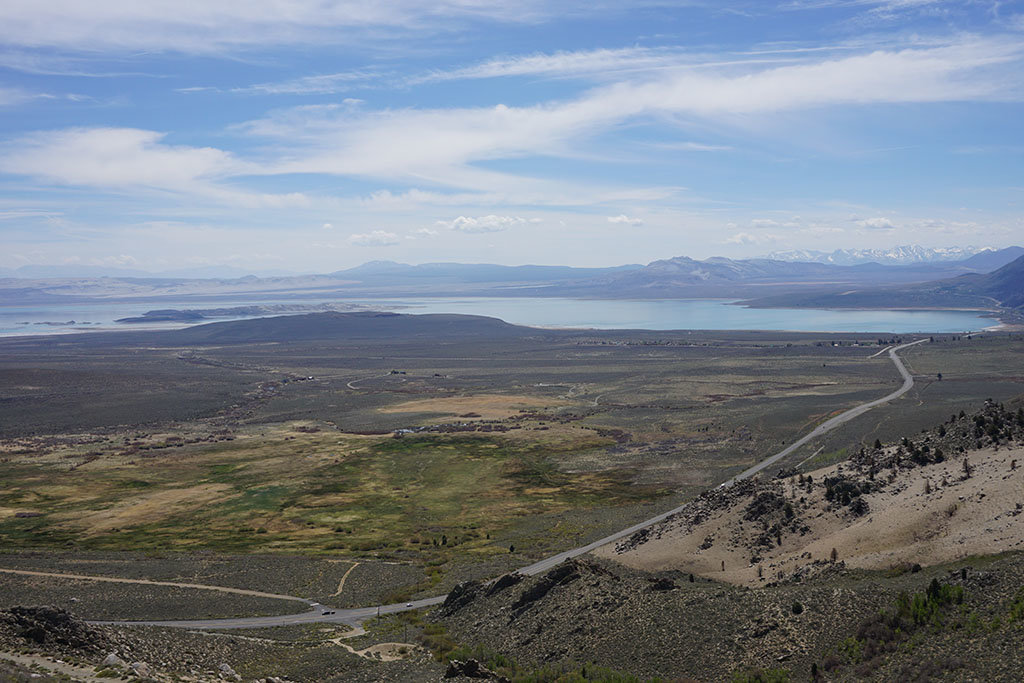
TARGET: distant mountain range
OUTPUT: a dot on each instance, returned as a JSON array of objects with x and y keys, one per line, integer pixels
[
  {"x": 971, "y": 257},
  {"x": 894, "y": 256},
  {"x": 390, "y": 272},
  {"x": 680, "y": 277},
  {"x": 81, "y": 271},
  {"x": 1003, "y": 287}
]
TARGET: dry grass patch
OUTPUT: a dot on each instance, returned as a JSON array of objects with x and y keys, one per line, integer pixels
[
  {"x": 482, "y": 406},
  {"x": 151, "y": 507}
]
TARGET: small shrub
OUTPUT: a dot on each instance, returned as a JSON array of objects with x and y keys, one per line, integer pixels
[
  {"x": 1017, "y": 607},
  {"x": 761, "y": 676},
  {"x": 831, "y": 663}
]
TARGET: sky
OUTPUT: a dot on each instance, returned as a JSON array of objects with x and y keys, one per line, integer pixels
[{"x": 315, "y": 135}]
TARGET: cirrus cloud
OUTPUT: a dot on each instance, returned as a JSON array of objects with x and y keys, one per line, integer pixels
[
  {"x": 205, "y": 27},
  {"x": 124, "y": 159},
  {"x": 445, "y": 146}
]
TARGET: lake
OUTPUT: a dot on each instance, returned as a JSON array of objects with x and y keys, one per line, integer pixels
[{"x": 667, "y": 314}]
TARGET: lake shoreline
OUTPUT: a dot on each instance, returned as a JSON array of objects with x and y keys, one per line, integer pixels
[{"x": 542, "y": 313}]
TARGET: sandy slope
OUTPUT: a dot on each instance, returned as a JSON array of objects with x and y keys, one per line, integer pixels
[{"x": 959, "y": 517}]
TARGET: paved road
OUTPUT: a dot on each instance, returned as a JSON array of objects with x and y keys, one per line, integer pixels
[
  {"x": 314, "y": 616},
  {"x": 355, "y": 616},
  {"x": 840, "y": 419}
]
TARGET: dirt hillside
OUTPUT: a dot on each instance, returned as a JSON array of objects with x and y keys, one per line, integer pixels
[{"x": 928, "y": 515}]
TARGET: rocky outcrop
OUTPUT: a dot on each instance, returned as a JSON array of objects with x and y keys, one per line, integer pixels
[
  {"x": 460, "y": 596},
  {"x": 52, "y": 627},
  {"x": 566, "y": 573},
  {"x": 503, "y": 582},
  {"x": 471, "y": 668}
]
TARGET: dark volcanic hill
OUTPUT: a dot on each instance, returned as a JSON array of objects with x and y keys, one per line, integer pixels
[{"x": 337, "y": 325}]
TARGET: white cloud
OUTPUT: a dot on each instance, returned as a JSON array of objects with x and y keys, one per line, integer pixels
[
  {"x": 10, "y": 97},
  {"x": 376, "y": 238},
  {"x": 880, "y": 223},
  {"x": 18, "y": 214},
  {"x": 933, "y": 225},
  {"x": 114, "y": 157},
  {"x": 741, "y": 238},
  {"x": 749, "y": 238},
  {"x": 442, "y": 145},
  {"x": 328, "y": 226},
  {"x": 445, "y": 147},
  {"x": 118, "y": 260},
  {"x": 822, "y": 230},
  {"x": 203, "y": 27},
  {"x": 876, "y": 5},
  {"x": 321, "y": 84},
  {"x": 764, "y": 223},
  {"x": 623, "y": 219},
  {"x": 693, "y": 147},
  {"x": 601, "y": 62},
  {"x": 481, "y": 224},
  {"x": 426, "y": 232},
  {"x": 130, "y": 158}
]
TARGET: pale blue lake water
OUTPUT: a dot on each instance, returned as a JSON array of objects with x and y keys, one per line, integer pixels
[{"x": 669, "y": 314}]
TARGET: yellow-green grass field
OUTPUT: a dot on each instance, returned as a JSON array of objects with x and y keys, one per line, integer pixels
[{"x": 297, "y": 490}]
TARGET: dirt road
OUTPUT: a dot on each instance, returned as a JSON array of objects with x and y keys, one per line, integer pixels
[{"x": 147, "y": 582}]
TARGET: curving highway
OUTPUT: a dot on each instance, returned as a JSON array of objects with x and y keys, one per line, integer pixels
[{"x": 357, "y": 615}]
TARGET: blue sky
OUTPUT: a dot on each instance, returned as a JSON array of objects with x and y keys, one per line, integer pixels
[{"x": 314, "y": 135}]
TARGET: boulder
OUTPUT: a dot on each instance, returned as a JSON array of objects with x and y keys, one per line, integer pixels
[
  {"x": 113, "y": 661},
  {"x": 141, "y": 669},
  {"x": 663, "y": 584}
]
